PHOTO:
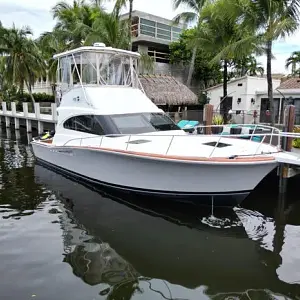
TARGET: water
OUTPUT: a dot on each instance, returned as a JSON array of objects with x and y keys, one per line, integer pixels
[{"x": 63, "y": 240}]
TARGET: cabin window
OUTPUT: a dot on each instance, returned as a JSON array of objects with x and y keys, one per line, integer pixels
[{"x": 85, "y": 123}]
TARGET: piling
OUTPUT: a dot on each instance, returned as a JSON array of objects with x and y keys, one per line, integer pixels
[
  {"x": 208, "y": 117},
  {"x": 287, "y": 145}
]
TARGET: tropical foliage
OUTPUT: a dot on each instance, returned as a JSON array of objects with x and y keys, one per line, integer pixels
[
  {"x": 192, "y": 15},
  {"x": 204, "y": 73},
  {"x": 294, "y": 62},
  {"x": 296, "y": 142}
]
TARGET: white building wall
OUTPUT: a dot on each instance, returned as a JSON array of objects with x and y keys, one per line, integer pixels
[
  {"x": 244, "y": 88},
  {"x": 233, "y": 90},
  {"x": 254, "y": 85}
]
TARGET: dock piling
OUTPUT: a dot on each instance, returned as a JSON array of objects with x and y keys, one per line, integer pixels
[
  {"x": 4, "y": 107},
  {"x": 17, "y": 123},
  {"x": 7, "y": 122},
  {"x": 25, "y": 109},
  {"x": 13, "y": 108},
  {"x": 40, "y": 127},
  {"x": 287, "y": 145},
  {"x": 28, "y": 126},
  {"x": 207, "y": 117}
]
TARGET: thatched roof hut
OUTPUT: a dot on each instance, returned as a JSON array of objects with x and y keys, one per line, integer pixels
[{"x": 166, "y": 90}]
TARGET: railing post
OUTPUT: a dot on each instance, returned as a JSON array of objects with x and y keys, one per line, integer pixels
[
  {"x": 4, "y": 108},
  {"x": 13, "y": 108},
  {"x": 37, "y": 110},
  {"x": 25, "y": 109},
  {"x": 54, "y": 111}
]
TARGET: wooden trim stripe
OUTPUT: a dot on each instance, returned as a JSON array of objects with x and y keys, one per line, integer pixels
[{"x": 177, "y": 157}]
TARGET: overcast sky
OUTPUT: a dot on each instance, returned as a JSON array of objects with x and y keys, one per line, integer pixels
[{"x": 37, "y": 14}]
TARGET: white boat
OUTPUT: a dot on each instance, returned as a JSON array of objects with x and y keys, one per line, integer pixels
[{"x": 110, "y": 133}]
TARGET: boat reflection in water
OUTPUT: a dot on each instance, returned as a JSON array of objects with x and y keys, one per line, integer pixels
[{"x": 171, "y": 250}]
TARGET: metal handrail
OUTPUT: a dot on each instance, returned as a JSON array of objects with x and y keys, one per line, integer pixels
[{"x": 274, "y": 133}]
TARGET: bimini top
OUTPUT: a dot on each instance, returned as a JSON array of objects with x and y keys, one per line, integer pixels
[{"x": 98, "y": 48}]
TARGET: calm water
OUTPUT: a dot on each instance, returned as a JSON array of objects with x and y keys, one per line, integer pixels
[{"x": 63, "y": 240}]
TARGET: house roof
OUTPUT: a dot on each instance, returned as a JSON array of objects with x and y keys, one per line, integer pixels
[
  {"x": 163, "y": 89},
  {"x": 291, "y": 83},
  {"x": 221, "y": 84}
]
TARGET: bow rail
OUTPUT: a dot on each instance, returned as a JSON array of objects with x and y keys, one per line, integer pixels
[{"x": 272, "y": 134}]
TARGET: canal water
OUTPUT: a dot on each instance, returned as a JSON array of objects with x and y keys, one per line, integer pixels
[{"x": 62, "y": 240}]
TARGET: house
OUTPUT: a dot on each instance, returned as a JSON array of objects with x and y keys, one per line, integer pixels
[
  {"x": 244, "y": 97},
  {"x": 152, "y": 34},
  {"x": 288, "y": 92}
]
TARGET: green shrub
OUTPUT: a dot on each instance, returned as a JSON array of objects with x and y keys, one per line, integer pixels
[
  {"x": 217, "y": 120},
  {"x": 296, "y": 142}
]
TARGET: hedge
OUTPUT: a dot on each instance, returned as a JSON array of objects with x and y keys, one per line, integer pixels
[{"x": 38, "y": 97}]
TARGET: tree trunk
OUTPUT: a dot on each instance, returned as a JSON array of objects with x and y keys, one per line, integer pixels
[
  {"x": 225, "y": 76},
  {"x": 192, "y": 67},
  {"x": 30, "y": 93},
  {"x": 130, "y": 24},
  {"x": 269, "y": 80}
]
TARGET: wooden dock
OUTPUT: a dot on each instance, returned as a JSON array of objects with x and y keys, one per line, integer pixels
[{"x": 9, "y": 116}]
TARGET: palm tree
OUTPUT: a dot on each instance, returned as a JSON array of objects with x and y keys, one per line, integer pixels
[
  {"x": 271, "y": 20},
  {"x": 76, "y": 20},
  {"x": 51, "y": 43},
  {"x": 110, "y": 30},
  {"x": 193, "y": 15},
  {"x": 22, "y": 59},
  {"x": 248, "y": 66},
  {"x": 118, "y": 6},
  {"x": 221, "y": 35},
  {"x": 293, "y": 60}
]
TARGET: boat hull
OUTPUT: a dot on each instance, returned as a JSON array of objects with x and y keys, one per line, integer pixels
[{"x": 204, "y": 183}]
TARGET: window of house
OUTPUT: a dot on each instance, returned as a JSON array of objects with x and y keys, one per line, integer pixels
[
  {"x": 163, "y": 31},
  {"x": 147, "y": 27}
]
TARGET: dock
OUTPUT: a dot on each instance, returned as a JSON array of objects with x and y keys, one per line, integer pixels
[{"x": 37, "y": 119}]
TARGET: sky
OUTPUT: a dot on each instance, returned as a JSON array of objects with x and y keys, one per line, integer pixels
[{"x": 37, "y": 14}]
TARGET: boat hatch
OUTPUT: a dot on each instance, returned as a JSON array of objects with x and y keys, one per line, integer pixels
[
  {"x": 139, "y": 142},
  {"x": 216, "y": 144}
]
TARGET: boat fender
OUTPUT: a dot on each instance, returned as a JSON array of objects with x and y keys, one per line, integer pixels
[{"x": 45, "y": 136}]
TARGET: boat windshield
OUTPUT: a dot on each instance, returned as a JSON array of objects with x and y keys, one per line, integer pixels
[{"x": 143, "y": 123}]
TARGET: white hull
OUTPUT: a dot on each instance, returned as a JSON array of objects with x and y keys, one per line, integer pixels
[{"x": 153, "y": 175}]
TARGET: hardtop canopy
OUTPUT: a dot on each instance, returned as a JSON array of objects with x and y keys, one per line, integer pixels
[{"x": 96, "y": 49}]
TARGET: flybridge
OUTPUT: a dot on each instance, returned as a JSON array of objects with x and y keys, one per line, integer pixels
[{"x": 97, "y": 65}]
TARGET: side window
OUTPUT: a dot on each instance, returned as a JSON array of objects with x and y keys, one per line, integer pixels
[
  {"x": 85, "y": 123},
  {"x": 69, "y": 124}
]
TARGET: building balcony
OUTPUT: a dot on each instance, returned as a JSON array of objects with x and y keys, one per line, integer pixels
[{"x": 153, "y": 29}]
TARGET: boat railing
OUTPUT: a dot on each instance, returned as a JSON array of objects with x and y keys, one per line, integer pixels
[{"x": 260, "y": 137}]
